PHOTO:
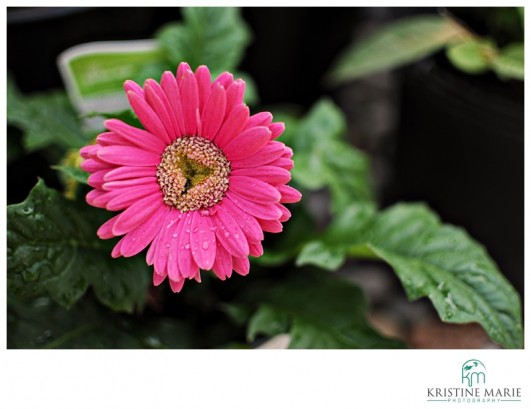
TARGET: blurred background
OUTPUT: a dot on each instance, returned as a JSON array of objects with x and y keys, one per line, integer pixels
[{"x": 435, "y": 134}]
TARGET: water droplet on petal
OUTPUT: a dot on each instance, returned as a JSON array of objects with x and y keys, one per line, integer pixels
[
  {"x": 174, "y": 235},
  {"x": 187, "y": 246},
  {"x": 213, "y": 228},
  {"x": 204, "y": 212},
  {"x": 227, "y": 234},
  {"x": 205, "y": 245},
  {"x": 195, "y": 230}
]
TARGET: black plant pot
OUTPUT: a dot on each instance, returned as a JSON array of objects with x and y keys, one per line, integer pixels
[{"x": 460, "y": 148}]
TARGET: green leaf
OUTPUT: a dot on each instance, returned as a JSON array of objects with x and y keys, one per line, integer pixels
[
  {"x": 267, "y": 321},
  {"x": 44, "y": 324},
  {"x": 213, "y": 36},
  {"x": 324, "y": 159},
  {"x": 322, "y": 312},
  {"x": 471, "y": 56},
  {"x": 509, "y": 63},
  {"x": 399, "y": 43},
  {"x": 443, "y": 263},
  {"x": 346, "y": 235},
  {"x": 52, "y": 249},
  {"x": 45, "y": 119},
  {"x": 321, "y": 255},
  {"x": 77, "y": 174}
]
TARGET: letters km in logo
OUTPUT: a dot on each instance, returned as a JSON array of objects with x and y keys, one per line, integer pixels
[{"x": 473, "y": 372}]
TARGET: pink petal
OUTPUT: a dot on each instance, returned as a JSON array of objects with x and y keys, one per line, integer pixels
[
  {"x": 137, "y": 213},
  {"x": 96, "y": 179},
  {"x": 148, "y": 117},
  {"x": 117, "y": 250},
  {"x": 102, "y": 200},
  {"x": 289, "y": 194},
  {"x": 282, "y": 163},
  {"x": 247, "y": 143},
  {"x": 176, "y": 286},
  {"x": 190, "y": 98},
  {"x": 270, "y": 152},
  {"x": 276, "y": 128},
  {"x": 93, "y": 195},
  {"x": 160, "y": 256},
  {"x": 225, "y": 79},
  {"x": 286, "y": 214},
  {"x": 203, "y": 241},
  {"x": 248, "y": 223},
  {"x": 260, "y": 210},
  {"x": 94, "y": 165},
  {"x": 222, "y": 267},
  {"x": 131, "y": 86},
  {"x": 187, "y": 265},
  {"x": 127, "y": 155},
  {"x": 169, "y": 86},
  {"x": 214, "y": 112},
  {"x": 120, "y": 184},
  {"x": 157, "y": 100},
  {"x": 256, "y": 249},
  {"x": 84, "y": 151},
  {"x": 130, "y": 196},
  {"x": 173, "y": 253},
  {"x": 270, "y": 226},
  {"x": 259, "y": 119},
  {"x": 129, "y": 172},
  {"x": 105, "y": 230},
  {"x": 253, "y": 189},
  {"x": 139, "y": 137},
  {"x": 232, "y": 126},
  {"x": 229, "y": 233},
  {"x": 158, "y": 278},
  {"x": 269, "y": 174},
  {"x": 139, "y": 238},
  {"x": 241, "y": 265},
  {"x": 202, "y": 76},
  {"x": 111, "y": 138},
  {"x": 182, "y": 69},
  {"x": 235, "y": 95}
]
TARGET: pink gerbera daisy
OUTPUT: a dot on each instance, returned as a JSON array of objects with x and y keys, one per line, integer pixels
[{"x": 199, "y": 185}]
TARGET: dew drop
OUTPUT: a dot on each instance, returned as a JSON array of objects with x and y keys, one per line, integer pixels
[
  {"x": 174, "y": 235},
  {"x": 188, "y": 231},
  {"x": 227, "y": 234},
  {"x": 195, "y": 230},
  {"x": 205, "y": 245},
  {"x": 187, "y": 246},
  {"x": 204, "y": 212},
  {"x": 213, "y": 228},
  {"x": 236, "y": 236}
]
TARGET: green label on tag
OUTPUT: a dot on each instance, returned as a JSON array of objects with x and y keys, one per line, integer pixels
[
  {"x": 104, "y": 73},
  {"x": 94, "y": 73}
]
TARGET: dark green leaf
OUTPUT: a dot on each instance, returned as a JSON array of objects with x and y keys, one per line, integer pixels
[
  {"x": 443, "y": 263},
  {"x": 213, "y": 36},
  {"x": 321, "y": 255},
  {"x": 44, "y": 324},
  {"x": 52, "y": 249},
  {"x": 510, "y": 62},
  {"x": 45, "y": 119},
  {"x": 322, "y": 312},
  {"x": 399, "y": 43},
  {"x": 267, "y": 321},
  {"x": 324, "y": 159}
]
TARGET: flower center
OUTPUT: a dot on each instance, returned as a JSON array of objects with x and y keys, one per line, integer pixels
[{"x": 193, "y": 174}]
